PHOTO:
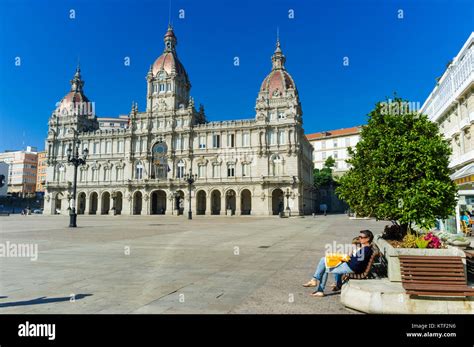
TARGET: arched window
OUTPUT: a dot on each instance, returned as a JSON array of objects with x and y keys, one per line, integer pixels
[
  {"x": 180, "y": 170},
  {"x": 160, "y": 161},
  {"x": 139, "y": 171},
  {"x": 277, "y": 164}
]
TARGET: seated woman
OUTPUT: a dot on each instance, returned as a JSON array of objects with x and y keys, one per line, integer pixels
[
  {"x": 338, "y": 277},
  {"x": 466, "y": 218},
  {"x": 357, "y": 263}
]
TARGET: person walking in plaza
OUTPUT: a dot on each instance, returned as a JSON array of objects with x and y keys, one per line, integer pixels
[{"x": 356, "y": 263}]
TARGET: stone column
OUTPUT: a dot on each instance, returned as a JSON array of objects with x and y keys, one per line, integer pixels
[
  {"x": 87, "y": 204},
  {"x": 126, "y": 204},
  {"x": 208, "y": 204},
  {"x": 145, "y": 204}
]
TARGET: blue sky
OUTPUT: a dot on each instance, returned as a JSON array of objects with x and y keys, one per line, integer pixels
[{"x": 386, "y": 54}]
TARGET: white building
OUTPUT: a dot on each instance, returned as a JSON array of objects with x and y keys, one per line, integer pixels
[
  {"x": 3, "y": 179},
  {"x": 451, "y": 105},
  {"x": 252, "y": 166},
  {"x": 335, "y": 144},
  {"x": 22, "y": 169}
]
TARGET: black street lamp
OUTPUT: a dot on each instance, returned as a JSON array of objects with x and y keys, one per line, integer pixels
[
  {"x": 74, "y": 159},
  {"x": 288, "y": 202},
  {"x": 190, "y": 178}
]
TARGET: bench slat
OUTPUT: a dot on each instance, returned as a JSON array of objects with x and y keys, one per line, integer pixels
[
  {"x": 445, "y": 288},
  {"x": 430, "y": 270},
  {"x": 434, "y": 276}
]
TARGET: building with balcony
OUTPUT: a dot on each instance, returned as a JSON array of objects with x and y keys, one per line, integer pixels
[
  {"x": 451, "y": 105},
  {"x": 22, "y": 166},
  {"x": 252, "y": 166},
  {"x": 335, "y": 144},
  {"x": 41, "y": 172}
]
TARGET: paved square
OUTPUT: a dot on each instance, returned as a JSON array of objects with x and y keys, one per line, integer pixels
[{"x": 212, "y": 264}]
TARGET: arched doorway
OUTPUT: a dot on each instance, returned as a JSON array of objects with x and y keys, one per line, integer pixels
[
  {"x": 201, "y": 202},
  {"x": 137, "y": 203},
  {"x": 245, "y": 202},
  {"x": 158, "y": 202},
  {"x": 230, "y": 201},
  {"x": 81, "y": 203},
  {"x": 216, "y": 202},
  {"x": 118, "y": 202},
  {"x": 105, "y": 202},
  {"x": 179, "y": 202},
  {"x": 57, "y": 203},
  {"x": 93, "y": 203},
  {"x": 277, "y": 201}
]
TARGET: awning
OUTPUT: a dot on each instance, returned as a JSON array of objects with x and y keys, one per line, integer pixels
[{"x": 464, "y": 175}]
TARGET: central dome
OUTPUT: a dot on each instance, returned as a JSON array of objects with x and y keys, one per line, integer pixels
[
  {"x": 168, "y": 61},
  {"x": 278, "y": 81}
]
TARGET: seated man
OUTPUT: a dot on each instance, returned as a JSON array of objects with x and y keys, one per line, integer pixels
[{"x": 357, "y": 263}]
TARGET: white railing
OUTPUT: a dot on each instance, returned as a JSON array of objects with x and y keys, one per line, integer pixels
[{"x": 459, "y": 76}]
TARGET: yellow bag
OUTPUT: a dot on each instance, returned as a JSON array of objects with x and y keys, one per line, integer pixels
[{"x": 335, "y": 259}]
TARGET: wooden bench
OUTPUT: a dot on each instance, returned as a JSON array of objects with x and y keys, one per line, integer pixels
[
  {"x": 434, "y": 276},
  {"x": 367, "y": 273}
]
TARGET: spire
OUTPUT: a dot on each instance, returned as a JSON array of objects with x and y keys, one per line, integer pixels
[
  {"x": 170, "y": 40},
  {"x": 278, "y": 59},
  {"x": 77, "y": 83}
]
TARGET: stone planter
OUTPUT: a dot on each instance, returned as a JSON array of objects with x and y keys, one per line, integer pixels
[{"x": 391, "y": 254}]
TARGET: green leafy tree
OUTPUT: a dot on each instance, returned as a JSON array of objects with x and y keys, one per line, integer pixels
[
  {"x": 323, "y": 177},
  {"x": 399, "y": 169}
]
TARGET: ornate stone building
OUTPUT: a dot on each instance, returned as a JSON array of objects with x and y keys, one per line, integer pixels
[{"x": 254, "y": 166}]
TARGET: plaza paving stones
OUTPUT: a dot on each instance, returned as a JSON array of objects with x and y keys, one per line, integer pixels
[{"x": 211, "y": 264}]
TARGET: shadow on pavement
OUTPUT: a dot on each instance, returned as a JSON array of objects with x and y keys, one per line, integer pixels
[{"x": 42, "y": 300}]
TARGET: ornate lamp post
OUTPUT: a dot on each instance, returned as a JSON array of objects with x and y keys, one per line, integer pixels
[
  {"x": 190, "y": 178},
  {"x": 288, "y": 211},
  {"x": 74, "y": 159}
]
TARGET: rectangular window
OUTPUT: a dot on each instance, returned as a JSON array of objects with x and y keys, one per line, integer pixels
[
  {"x": 162, "y": 87},
  {"x": 271, "y": 137},
  {"x": 348, "y": 142},
  {"x": 335, "y": 154},
  {"x": 108, "y": 146},
  {"x": 202, "y": 141},
  {"x": 245, "y": 139},
  {"x": 272, "y": 115},
  {"x": 216, "y": 141},
  {"x": 230, "y": 140},
  {"x": 215, "y": 171},
  {"x": 323, "y": 144},
  {"x": 178, "y": 143},
  {"x": 96, "y": 148},
  {"x": 231, "y": 171},
  {"x": 168, "y": 87},
  {"x": 180, "y": 172},
  {"x": 335, "y": 143},
  {"x": 245, "y": 170},
  {"x": 323, "y": 155},
  {"x": 120, "y": 146},
  {"x": 202, "y": 171},
  {"x": 281, "y": 138}
]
